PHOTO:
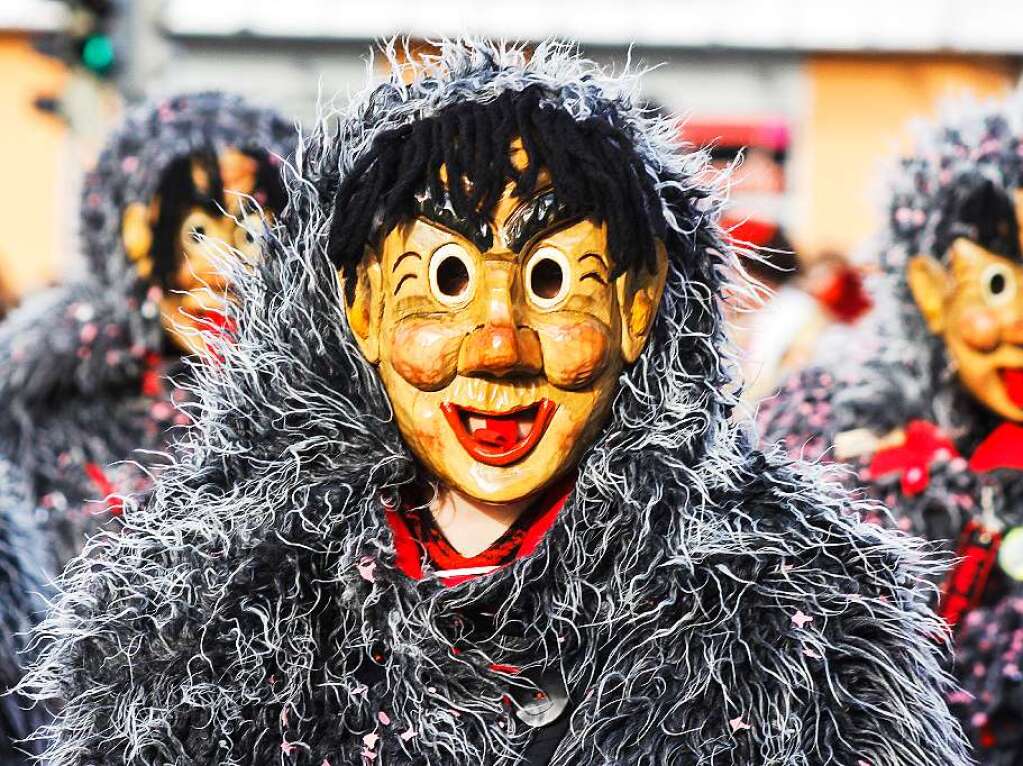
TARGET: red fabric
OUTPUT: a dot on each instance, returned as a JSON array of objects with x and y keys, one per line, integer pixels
[
  {"x": 414, "y": 534},
  {"x": 912, "y": 459},
  {"x": 963, "y": 588},
  {"x": 114, "y": 503},
  {"x": 1002, "y": 449},
  {"x": 405, "y": 547}
]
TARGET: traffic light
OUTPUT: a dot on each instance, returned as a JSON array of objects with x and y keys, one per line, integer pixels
[
  {"x": 86, "y": 40},
  {"x": 91, "y": 35}
]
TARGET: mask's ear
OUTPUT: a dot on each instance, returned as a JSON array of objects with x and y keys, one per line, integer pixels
[
  {"x": 639, "y": 295},
  {"x": 929, "y": 282},
  {"x": 366, "y": 309},
  {"x": 137, "y": 236}
]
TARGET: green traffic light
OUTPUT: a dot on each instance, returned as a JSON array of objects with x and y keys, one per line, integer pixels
[{"x": 98, "y": 53}]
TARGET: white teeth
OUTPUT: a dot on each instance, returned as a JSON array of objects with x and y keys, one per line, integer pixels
[{"x": 476, "y": 423}]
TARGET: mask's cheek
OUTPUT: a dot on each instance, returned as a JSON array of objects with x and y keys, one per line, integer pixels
[
  {"x": 425, "y": 352},
  {"x": 577, "y": 350},
  {"x": 979, "y": 328}
]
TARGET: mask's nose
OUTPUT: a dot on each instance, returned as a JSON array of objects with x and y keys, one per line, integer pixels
[{"x": 498, "y": 346}]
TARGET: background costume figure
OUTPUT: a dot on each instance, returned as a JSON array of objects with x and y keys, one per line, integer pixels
[
  {"x": 81, "y": 366},
  {"x": 670, "y": 594},
  {"x": 927, "y": 403}
]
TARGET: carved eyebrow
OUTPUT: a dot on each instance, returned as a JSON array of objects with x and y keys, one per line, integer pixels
[
  {"x": 598, "y": 256},
  {"x": 402, "y": 282},
  {"x": 538, "y": 215},
  {"x": 402, "y": 257}
]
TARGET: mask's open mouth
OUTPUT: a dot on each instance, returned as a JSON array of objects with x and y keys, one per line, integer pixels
[
  {"x": 1012, "y": 379},
  {"x": 499, "y": 438}
]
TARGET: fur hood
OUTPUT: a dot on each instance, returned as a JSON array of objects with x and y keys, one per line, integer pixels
[
  {"x": 136, "y": 156},
  {"x": 702, "y": 602},
  {"x": 94, "y": 335},
  {"x": 900, "y": 370}
]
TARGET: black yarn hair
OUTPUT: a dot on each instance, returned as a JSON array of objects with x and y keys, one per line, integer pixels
[
  {"x": 178, "y": 194},
  {"x": 594, "y": 168},
  {"x": 982, "y": 212}
]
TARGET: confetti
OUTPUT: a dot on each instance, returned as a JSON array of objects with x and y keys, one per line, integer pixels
[
  {"x": 738, "y": 724},
  {"x": 801, "y": 620}
]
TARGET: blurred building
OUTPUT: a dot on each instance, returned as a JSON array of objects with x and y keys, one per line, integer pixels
[{"x": 833, "y": 84}]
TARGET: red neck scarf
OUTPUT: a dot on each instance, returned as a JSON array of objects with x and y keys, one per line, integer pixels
[{"x": 416, "y": 535}]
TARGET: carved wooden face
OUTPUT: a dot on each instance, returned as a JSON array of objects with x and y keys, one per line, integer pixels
[
  {"x": 196, "y": 298},
  {"x": 501, "y": 363},
  {"x": 976, "y": 305}
]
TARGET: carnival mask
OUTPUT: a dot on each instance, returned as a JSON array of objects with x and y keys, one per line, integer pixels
[
  {"x": 976, "y": 306},
  {"x": 205, "y": 229},
  {"x": 501, "y": 362}
]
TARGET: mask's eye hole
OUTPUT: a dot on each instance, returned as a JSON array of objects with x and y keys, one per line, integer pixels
[
  {"x": 452, "y": 274},
  {"x": 198, "y": 232},
  {"x": 547, "y": 277},
  {"x": 999, "y": 284}
]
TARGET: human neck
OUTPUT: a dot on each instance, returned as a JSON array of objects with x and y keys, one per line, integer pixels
[{"x": 470, "y": 525}]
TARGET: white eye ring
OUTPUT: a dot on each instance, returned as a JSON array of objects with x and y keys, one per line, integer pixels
[
  {"x": 548, "y": 253},
  {"x": 442, "y": 256},
  {"x": 1007, "y": 292}
]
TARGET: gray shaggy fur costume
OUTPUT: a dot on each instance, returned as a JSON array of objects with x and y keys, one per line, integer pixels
[
  {"x": 702, "y": 601},
  {"x": 959, "y": 182}
]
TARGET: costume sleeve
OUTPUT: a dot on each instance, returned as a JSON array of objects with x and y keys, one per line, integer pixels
[
  {"x": 84, "y": 335},
  {"x": 840, "y": 656}
]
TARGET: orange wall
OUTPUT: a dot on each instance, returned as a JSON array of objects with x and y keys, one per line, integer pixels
[
  {"x": 31, "y": 235},
  {"x": 859, "y": 110}
]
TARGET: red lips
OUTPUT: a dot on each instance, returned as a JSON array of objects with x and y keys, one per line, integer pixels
[
  {"x": 499, "y": 438},
  {"x": 1012, "y": 379}
]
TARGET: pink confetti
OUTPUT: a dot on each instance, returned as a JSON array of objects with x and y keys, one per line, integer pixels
[
  {"x": 408, "y": 734},
  {"x": 287, "y": 747},
  {"x": 801, "y": 620},
  {"x": 369, "y": 755},
  {"x": 366, "y": 566},
  {"x": 738, "y": 724},
  {"x": 370, "y": 740},
  {"x": 384, "y": 719}
]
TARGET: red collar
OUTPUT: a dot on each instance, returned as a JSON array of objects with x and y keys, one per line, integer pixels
[
  {"x": 518, "y": 543},
  {"x": 1002, "y": 449}
]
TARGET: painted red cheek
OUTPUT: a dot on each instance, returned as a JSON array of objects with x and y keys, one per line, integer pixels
[
  {"x": 979, "y": 328},
  {"x": 575, "y": 353},
  {"x": 425, "y": 353}
]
